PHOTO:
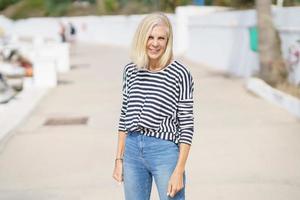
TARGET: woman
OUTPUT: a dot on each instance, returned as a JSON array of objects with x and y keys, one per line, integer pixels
[{"x": 156, "y": 123}]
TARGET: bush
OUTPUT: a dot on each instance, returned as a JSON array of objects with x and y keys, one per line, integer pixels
[
  {"x": 28, "y": 8},
  {"x": 6, "y": 3},
  {"x": 57, "y": 7},
  {"x": 111, "y": 6}
]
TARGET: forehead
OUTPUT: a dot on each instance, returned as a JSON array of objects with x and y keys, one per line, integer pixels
[{"x": 160, "y": 29}]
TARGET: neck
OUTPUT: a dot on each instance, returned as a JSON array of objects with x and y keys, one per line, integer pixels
[{"x": 153, "y": 66}]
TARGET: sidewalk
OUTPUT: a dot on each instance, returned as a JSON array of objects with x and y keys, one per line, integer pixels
[{"x": 244, "y": 148}]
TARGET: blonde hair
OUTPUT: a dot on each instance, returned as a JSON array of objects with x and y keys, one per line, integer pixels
[{"x": 138, "y": 50}]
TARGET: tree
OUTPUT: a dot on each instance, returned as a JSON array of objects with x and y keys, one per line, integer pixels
[
  {"x": 100, "y": 6},
  {"x": 272, "y": 65},
  {"x": 6, "y": 3}
]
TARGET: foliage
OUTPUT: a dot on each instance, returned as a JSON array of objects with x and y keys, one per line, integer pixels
[
  {"x": 239, "y": 4},
  {"x": 31, "y": 8},
  {"x": 139, "y": 6},
  {"x": 57, "y": 7},
  {"x": 28, "y": 8},
  {"x": 37, "y": 8},
  {"x": 169, "y": 5},
  {"x": 111, "y": 6},
  {"x": 5, "y": 3},
  {"x": 242, "y": 3}
]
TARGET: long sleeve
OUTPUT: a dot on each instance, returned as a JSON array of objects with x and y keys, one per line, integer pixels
[
  {"x": 124, "y": 103},
  {"x": 185, "y": 109}
]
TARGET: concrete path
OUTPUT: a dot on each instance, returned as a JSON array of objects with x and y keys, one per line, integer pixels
[{"x": 244, "y": 148}]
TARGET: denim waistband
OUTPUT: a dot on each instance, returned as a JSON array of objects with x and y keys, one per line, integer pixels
[{"x": 134, "y": 133}]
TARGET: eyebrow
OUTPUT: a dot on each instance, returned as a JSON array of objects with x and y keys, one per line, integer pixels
[{"x": 165, "y": 36}]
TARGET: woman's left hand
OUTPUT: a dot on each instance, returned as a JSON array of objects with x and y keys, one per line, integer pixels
[{"x": 175, "y": 183}]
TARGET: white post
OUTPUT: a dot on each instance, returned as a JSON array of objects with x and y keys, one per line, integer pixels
[
  {"x": 63, "y": 55},
  {"x": 44, "y": 73}
]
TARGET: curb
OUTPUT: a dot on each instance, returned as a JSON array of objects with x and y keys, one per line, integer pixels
[
  {"x": 18, "y": 109},
  {"x": 265, "y": 91}
]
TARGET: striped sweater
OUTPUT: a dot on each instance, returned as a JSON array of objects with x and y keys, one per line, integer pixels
[{"x": 158, "y": 104}]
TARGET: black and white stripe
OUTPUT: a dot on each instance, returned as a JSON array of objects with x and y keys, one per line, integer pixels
[{"x": 158, "y": 104}]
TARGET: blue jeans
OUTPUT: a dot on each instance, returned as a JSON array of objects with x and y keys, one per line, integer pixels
[{"x": 146, "y": 158}]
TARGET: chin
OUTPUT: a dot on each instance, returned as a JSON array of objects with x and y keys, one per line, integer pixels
[{"x": 154, "y": 57}]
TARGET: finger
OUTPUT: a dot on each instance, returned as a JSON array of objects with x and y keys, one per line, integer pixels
[
  {"x": 173, "y": 192},
  {"x": 117, "y": 177},
  {"x": 169, "y": 189},
  {"x": 120, "y": 178}
]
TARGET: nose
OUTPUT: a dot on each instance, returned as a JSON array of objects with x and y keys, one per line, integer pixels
[{"x": 155, "y": 42}]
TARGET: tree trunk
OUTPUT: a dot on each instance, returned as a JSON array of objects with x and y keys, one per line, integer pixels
[{"x": 272, "y": 65}]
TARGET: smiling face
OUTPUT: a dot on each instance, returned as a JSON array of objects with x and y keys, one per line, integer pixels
[{"x": 157, "y": 43}]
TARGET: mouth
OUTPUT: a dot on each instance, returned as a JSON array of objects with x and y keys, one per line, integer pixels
[{"x": 154, "y": 51}]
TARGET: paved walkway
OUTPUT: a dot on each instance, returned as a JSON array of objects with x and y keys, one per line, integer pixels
[{"x": 244, "y": 148}]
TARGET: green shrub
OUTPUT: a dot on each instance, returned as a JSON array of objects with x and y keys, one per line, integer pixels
[
  {"x": 111, "y": 5},
  {"x": 241, "y": 3},
  {"x": 28, "y": 8},
  {"x": 5, "y": 3},
  {"x": 57, "y": 7}
]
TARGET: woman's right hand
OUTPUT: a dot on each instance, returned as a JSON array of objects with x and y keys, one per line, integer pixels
[{"x": 118, "y": 171}]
